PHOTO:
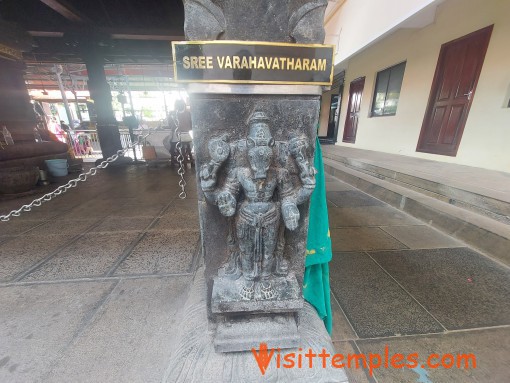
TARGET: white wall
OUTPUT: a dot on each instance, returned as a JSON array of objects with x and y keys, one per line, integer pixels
[
  {"x": 357, "y": 23},
  {"x": 486, "y": 139}
]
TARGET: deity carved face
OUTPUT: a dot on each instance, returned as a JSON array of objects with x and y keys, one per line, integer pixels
[
  {"x": 260, "y": 149},
  {"x": 260, "y": 159}
]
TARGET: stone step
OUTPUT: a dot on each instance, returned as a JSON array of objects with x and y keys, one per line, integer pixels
[
  {"x": 488, "y": 235},
  {"x": 443, "y": 190}
]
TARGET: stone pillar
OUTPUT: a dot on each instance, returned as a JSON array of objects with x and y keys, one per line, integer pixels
[
  {"x": 15, "y": 107},
  {"x": 107, "y": 126},
  {"x": 16, "y": 111},
  {"x": 254, "y": 149}
]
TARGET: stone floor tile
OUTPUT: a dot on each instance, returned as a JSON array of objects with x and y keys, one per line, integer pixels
[
  {"x": 375, "y": 305},
  {"x": 363, "y": 238},
  {"x": 94, "y": 206},
  {"x": 116, "y": 224},
  {"x": 139, "y": 210},
  {"x": 41, "y": 322},
  {"x": 342, "y": 330},
  {"x": 179, "y": 217},
  {"x": 337, "y": 186},
  {"x": 188, "y": 203},
  {"x": 421, "y": 237},
  {"x": 38, "y": 213},
  {"x": 68, "y": 227},
  {"x": 20, "y": 253},
  {"x": 162, "y": 252},
  {"x": 90, "y": 256},
  {"x": 352, "y": 198},
  {"x": 15, "y": 226},
  {"x": 460, "y": 287},
  {"x": 131, "y": 338},
  {"x": 369, "y": 216},
  {"x": 491, "y": 348},
  {"x": 6, "y": 238},
  {"x": 355, "y": 375}
]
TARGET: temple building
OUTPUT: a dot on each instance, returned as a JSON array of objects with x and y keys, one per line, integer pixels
[{"x": 421, "y": 78}]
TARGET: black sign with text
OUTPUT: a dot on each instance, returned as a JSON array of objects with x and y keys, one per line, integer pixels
[{"x": 247, "y": 62}]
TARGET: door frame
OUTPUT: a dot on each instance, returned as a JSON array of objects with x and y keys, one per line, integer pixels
[
  {"x": 434, "y": 89},
  {"x": 348, "y": 111}
]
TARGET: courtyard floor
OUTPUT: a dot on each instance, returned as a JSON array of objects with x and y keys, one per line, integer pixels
[{"x": 91, "y": 284}]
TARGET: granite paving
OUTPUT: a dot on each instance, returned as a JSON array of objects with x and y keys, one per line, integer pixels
[
  {"x": 92, "y": 255},
  {"x": 460, "y": 287},
  {"x": 39, "y": 322},
  {"x": 363, "y": 238},
  {"x": 398, "y": 283},
  {"x": 373, "y": 303},
  {"x": 88, "y": 290},
  {"x": 90, "y": 284},
  {"x": 161, "y": 253},
  {"x": 421, "y": 237},
  {"x": 380, "y": 216},
  {"x": 489, "y": 348},
  {"x": 20, "y": 253},
  {"x": 138, "y": 322},
  {"x": 352, "y": 198}
]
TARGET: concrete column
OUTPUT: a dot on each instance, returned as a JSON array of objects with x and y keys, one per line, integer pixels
[{"x": 107, "y": 126}]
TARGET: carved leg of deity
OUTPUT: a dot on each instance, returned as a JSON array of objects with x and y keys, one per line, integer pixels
[
  {"x": 281, "y": 264},
  {"x": 250, "y": 268},
  {"x": 232, "y": 269},
  {"x": 266, "y": 287}
]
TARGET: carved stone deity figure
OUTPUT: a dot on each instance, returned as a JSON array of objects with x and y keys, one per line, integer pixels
[{"x": 258, "y": 194}]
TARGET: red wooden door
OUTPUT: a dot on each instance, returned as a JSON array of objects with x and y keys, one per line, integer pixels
[
  {"x": 353, "y": 107},
  {"x": 453, "y": 88}
]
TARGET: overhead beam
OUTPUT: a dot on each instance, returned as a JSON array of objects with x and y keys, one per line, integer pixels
[
  {"x": 142, "y": 36},
  {"x": 122, "y": 33},
  {"x": 66, "y": 10}
]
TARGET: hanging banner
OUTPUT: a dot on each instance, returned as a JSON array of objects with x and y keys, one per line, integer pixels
[{"x": 248, "y": 62}]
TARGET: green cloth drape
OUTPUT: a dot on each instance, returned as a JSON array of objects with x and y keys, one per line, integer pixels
[{"x": 318, "y": 249}]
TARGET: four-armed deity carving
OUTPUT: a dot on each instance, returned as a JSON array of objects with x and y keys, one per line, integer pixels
[{"x": 254, "y": 188}]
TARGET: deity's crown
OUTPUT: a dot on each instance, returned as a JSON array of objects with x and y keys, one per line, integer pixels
[
  {"x": 259, "y": 134},
  {"x": 258, "y": 116}
]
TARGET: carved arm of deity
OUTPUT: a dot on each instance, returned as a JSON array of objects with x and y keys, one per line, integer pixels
[
  {"x": 219, "y": 150},
  {"x": 297, "y": 149},
  {"x": 290, "y": 212},
  {"x": 225, "y": 197}
]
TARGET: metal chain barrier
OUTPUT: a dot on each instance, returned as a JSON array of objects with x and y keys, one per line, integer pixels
[
  {"x": 180, "y": 157},
  {"x": 92, "y": 172}
]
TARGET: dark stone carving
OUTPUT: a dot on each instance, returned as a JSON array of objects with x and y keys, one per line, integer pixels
[
  {"x": 303, "y": 20},
  {"x": 283, "y": 20},
  {"x": 258, "y": 197},
  {"x": 255, "y": 174},
  {"x": 204, "y": 20}
]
